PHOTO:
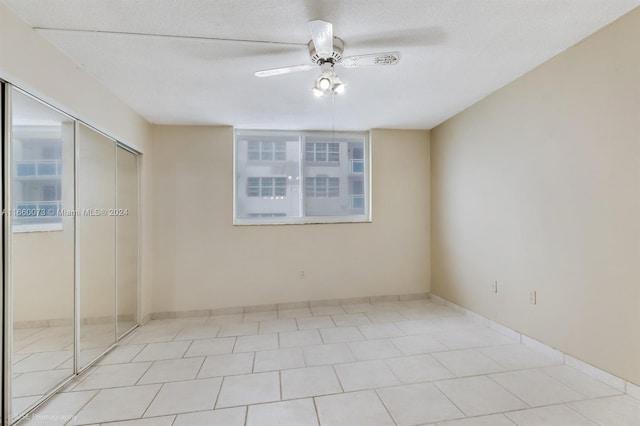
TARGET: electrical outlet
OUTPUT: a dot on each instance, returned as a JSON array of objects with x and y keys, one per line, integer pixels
[
  {"x": 494, "y": 286},
  {"x": 532, "y": 298}
]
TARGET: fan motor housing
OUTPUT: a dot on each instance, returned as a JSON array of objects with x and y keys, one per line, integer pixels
[{"x": 334, "y": 58}]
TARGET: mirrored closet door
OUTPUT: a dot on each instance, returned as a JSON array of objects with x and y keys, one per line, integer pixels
[
  {"x": 70, "y": 252},
  {"x": 96, "y": 243},
  {"x": 40, "y": 249},
  {"x": 126, "y": 215}
]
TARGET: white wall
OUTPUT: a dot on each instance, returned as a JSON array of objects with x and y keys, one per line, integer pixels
[
  {"x": 202, "y": 261},
  {"x": 31, "y": 63},
  {"x": 538, "y": 187}
]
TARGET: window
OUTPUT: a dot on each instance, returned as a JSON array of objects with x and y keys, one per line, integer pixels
[
  {"x": 301, "y": 177},
  {"x": 266, "y": 187},
  {"x": 322, "y": 152},
  {"x": 322, "y": 186},
  {"x": 356, "y": 157},
  {"x": 259, "y": 150},
  {"x": 37, "y": 177}
]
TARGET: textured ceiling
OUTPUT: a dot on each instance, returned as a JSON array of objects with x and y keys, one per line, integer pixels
[{"x": 453, "y": 53}]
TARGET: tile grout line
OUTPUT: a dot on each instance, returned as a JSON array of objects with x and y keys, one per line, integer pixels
[
  {"x": 152, "y": 400},
  {"x": 83, "y": 407},
  {"x": 488, "y": 376}
]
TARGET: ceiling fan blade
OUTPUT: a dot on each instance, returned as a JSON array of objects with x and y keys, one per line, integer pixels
[
  {"x": 176, "y": 36},
  {"x": 283, "y": 70},
  {"x": 322, "y": 36},
  {"x": 371, "y": 60}
]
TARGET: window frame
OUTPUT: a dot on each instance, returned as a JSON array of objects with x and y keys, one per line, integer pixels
[{"x": 365, "y": 217}]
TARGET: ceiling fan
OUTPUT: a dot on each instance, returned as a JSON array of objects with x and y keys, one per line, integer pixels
[{"x": 325, "y": 51}]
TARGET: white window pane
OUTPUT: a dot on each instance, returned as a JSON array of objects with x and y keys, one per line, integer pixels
[
  {"x": 301, "y": 177},
  {"x": 269, "y": 187}
]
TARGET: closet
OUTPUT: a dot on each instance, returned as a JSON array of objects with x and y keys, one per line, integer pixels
[{"x": 70, "y": 251}]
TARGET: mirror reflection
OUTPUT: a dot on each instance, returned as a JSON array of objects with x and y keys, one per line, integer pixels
[
  {"x": 96, "y": 243},
  {"x": 42, "y": 249},
  {"x": 127, "y": 240}
]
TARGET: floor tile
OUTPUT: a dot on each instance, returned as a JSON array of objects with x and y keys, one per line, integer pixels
[
  {"x": 249, "y": 389},
  {"x": 130, "y": 401},
  {"x": 223, "y": 417},
  {"x": 554, "y": 415},
  {"x": 260, "y": 316},
  {"x": 380, "y": 331},
  {"x": 60, "y": 409},
  {"x": 327, "y": 354},
  {"x": 300, "y": 338},
  {"x": 184, "y": 397},
  {"x": 226, "y": 365},
  {"x": 358, "y": 307},
  {"x": 472, "y": 338},
  {"x": 41, "y": 361},
  {"x": 414, "y": 313},
  {"x": 211, "y": 347},
  {"x": 611, "y": 411},
  {"x": 491, "y": 420},
  {"x": 476, "y": 396},
  {"x": 341, "y": 334},
  {"x": 208, "y": 331},
  {"x": 418, "y": 368},
  {"x": 579, "y": 381},
  {"x": 111, "y": 376},
  {"x": 161, "y": 351},
  {"x": 498, "y": 380},
  {"x": 327, "y": 310},
  {"x": 275, "y": 326},
  {"x": 536, "y": 388},
  {"x": 454, "y": 323},
  {"x": 351, "y": 409},
  {"x": 310, "y": 381},
  {"x": 348, "y": 320},
  {"x": 225, "y": 319},
  {"x": 418, "y": 404},
  {"x": 517, "y": 357},
  {"x": 365, "y": 375},
  {"x": 374, "y": 349},
  {"x": 172, "y": 370},
  {"x": 467, "y": 362},
  {"x": 238, "y": 329},
  {"x": 294, "y": 313},
  {"x": 415, "y": 345},
  {"x": 315, "y": 322},
  {"x": 154, "y": 335},
  {"x": 278, "y": 359},
  {"x": 121, "y": 354},
  {"x": 300, "y": 412},
  {"x": 38, "y": 382},
  {"x": 22, "y": 404},
  {"x": 413, "y": 327},
  {"x": 155, "y": 421},
  {"x": 259, "y": 342},
  {"x": 385, "y": 317}
]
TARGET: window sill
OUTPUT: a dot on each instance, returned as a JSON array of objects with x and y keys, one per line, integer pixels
[
  {"x": 309, "y": 220},
  {"x": 41, "y": 227}
]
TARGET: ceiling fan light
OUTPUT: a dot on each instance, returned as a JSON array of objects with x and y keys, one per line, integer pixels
[
  {"x": 324, "y": 83},
  {"x": 338, "y": 88},
  {"x": 317, "y": 92}
]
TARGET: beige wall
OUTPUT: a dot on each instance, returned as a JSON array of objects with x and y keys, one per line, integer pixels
[
  {"x": 202, "y": 261},
  {"x": 31, "y": 63},
  {"x": 538, "y": 187}
]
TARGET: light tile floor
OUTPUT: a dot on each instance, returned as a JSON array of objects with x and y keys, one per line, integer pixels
[
  {"x": 42, "y": 358},
  {"x": 392, "y": 363}
]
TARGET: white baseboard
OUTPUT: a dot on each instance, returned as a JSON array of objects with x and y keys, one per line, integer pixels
[{"x": 289, "y": 305}]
